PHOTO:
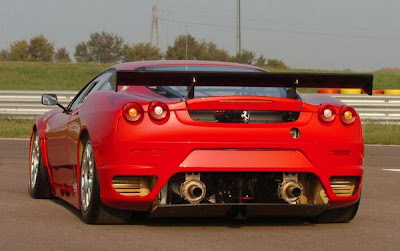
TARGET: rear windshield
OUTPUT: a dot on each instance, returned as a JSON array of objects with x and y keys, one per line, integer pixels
[{"x": 210, "y": 91}]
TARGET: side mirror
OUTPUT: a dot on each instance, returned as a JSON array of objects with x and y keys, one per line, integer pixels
[{"x": 49, "y": 99}]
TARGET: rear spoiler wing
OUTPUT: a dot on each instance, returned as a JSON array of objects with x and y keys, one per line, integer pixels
[{"x": 251, "y": 79}]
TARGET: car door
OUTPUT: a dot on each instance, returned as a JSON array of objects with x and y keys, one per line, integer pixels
[
  {"x": 56, "y": 141},
  {"x": 75, "y": 124},
  {"x": 56, "y": 134}
]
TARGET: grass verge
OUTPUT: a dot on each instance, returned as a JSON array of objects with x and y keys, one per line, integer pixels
[
  {"x": 47, "y": 76},
  {"x": 381, "y": 134},
  {"x": 373, "y": 133},
  {"x": 15, "y": 128},
  {"x": 73, "y": 76}
]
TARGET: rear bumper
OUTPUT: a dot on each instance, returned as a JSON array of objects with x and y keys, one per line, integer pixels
[{"x": 218, "y": 161}]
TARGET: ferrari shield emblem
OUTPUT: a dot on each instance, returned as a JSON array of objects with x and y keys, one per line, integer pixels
[{"x": 245, "y": 116}]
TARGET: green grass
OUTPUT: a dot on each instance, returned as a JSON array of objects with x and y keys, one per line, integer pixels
[
  {"x": 15, "y": 128},
  {"x": 72, "y": 76},
  {"x": 381, "y": 134},
  {"x": 386, "y": 80},
  {"x": 373, "y": 133},
  {"x": 47, "y": 76}
]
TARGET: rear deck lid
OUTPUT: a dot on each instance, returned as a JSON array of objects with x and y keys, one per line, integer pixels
[{"x": 244, "y": 109}]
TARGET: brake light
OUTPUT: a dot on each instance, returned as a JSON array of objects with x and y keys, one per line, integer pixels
[
  {"x": 348, "y": 115},
  {"x": 132, "y": 112},
  {"x": 327, "y": 113},
  {"x": 158, "y": 111}
]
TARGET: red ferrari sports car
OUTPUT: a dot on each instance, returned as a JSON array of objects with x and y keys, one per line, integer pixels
[{"x": 200, "y": 138}]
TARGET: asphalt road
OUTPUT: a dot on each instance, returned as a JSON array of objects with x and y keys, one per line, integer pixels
[{"x": 31, "y": 224}]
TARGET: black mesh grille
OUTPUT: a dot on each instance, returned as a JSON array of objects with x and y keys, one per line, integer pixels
[{"x": 241, "y": 116}]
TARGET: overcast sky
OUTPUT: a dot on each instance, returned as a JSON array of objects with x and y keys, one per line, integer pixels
[{"x": 357, "y": 34}]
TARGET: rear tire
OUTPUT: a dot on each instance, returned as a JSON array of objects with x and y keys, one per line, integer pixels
[
  {"x": 92, "y": 209},
  {"x": 39, "y": 185},
  {"x": 341, "y": 215}
]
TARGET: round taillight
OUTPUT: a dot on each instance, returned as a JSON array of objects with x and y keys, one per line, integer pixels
[
  {"x": 132, "y": 112},
  {"x": 348, "y": 115},
  {"x": 158, "y": 111},
  {"x": 327, "y": 113}
]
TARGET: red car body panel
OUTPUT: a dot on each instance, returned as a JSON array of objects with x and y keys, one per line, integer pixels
[{"x": 181, "y": 144}]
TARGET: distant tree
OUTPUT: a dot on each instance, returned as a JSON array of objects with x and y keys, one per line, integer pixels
[
  {"x": 141, "y": 51},
  {"x": 261, "y": 61},
  {"x": 81, "y": 53},
  {"x": 5, "y": 55},
  {"x": 62, "y": 55},
  {"x": 246, "y": 57},
  {"x": 275, "y": 63},
  {"x": 41, "y": 49},
  {"x": 105, "y": 47},
  {"x": 19, "y": 51},
  {"x": 196, "y": 50},
  {"x": 178, "y": 49},
  {"x": 210, "y": 51}
]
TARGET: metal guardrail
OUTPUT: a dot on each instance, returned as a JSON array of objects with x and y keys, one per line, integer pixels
[
  {"x": 384, "y": 109},
  {"x": 27, "y": 104}
]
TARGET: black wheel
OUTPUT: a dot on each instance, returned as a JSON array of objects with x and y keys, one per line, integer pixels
[
  {"x": 340, "y": 215},
  {"x": 39, "y": 185},
  {"x": 92, "y": 210}
]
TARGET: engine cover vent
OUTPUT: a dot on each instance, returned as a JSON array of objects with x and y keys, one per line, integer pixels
[{"x": 242, "y": 116}]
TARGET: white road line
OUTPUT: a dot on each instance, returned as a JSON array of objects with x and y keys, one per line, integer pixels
[{"x": 392, "y": 170}]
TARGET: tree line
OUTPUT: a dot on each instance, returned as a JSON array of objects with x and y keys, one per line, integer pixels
[{"x": 103, "y": 47}]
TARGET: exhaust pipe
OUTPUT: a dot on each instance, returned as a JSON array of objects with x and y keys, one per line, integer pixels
[
  {"x": 193, "y": 191},
  {"x": 291, "y": 191}
]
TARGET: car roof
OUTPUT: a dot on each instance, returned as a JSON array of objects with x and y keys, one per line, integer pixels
[{"x": 130, "y": 66}]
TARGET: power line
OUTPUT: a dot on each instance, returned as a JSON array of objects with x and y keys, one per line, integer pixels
[
  {"x": 276, "y": 30},
  {"x": 269, "y": 20},
  {"x": 218, "y": 14},
  {"x": 196, "y": 23}
]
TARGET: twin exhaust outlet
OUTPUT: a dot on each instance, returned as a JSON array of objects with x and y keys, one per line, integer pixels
[{"x": 194, "y": 190}]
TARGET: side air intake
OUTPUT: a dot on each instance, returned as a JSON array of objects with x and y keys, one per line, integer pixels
[
  {"x": 344, "y": 186},
  {"x": 137, "y": 186}
]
